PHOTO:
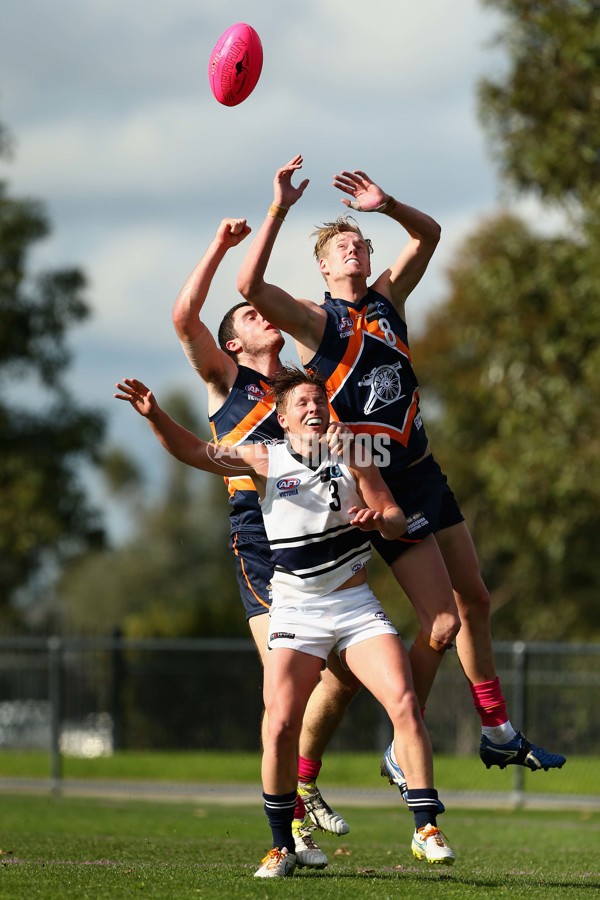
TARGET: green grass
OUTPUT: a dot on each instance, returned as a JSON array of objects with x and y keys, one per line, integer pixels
[
  {"x": 55, "y": 848},
  {"x": 581, "y": 775}
]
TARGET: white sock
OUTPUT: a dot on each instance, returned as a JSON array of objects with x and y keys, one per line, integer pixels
[{"x": 499, "y": 734}]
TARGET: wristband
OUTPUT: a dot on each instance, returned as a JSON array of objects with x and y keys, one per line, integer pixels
[
  {"x": 278, "y": 212},
  {"x": 387, "y": 206}
]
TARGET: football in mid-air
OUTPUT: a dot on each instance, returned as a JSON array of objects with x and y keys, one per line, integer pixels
[{"x": 235, "y": 64}]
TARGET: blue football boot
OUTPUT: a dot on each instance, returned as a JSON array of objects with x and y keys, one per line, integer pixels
[{"x": 518, "y": 752}]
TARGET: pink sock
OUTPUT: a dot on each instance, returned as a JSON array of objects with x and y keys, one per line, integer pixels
[
  {"x": 299, "y": 809},
  {"x": 308, "y": 769},
  {"x": 489, "y": 702}
]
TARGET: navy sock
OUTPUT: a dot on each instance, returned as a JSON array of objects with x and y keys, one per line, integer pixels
[
  {"x": 280, "y": 813},
  {"x": 423, "y": 803}
]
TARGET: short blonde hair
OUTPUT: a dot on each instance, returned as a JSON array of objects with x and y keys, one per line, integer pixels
[
  {"x": 329, "y": 230},
  {"x": 290, "y": 377}
]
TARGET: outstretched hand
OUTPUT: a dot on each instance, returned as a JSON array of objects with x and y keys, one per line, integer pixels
[
  {"x": 367, "y": 195},
  {"x": 141, "y": 398},
  {"x": 232, "y": 232},
  {"x": 284, "y": 192},
  {"x": 366, "y": 519}
]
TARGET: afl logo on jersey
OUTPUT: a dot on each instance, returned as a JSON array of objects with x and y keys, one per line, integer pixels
[
  {"x": 254, "y": 392},
  {"x": 287, "y": 484},
  {"x": 344, "y": 327}
]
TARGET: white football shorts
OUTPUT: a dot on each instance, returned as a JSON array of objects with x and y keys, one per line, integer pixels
[{"x": 332, "y": 622}]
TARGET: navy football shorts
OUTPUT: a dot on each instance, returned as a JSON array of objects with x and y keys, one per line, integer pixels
[
  {"x": 254, "y": 570},
  {"x": 429, "y": 505}
]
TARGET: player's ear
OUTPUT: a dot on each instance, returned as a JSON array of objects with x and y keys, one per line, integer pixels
[
  {"x": 234, "y": 345},
  {"x": 323, "y": 266},
  {"x": 282, "y": 421}
]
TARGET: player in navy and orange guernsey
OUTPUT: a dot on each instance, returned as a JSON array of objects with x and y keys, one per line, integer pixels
[
  {"x": 357, "y": 339},
  {"x": 237, "y": 374},
  {"x": 248, "y": 416}
]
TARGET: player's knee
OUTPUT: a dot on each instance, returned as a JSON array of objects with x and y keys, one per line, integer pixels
[
  {"x": 405, "y": 712},
  {"x": 439, "y": 624},
  {"x": 340, "y": 691},
  {"x": 338, "y": 683},
  {"x": 283, "y": 735},
  {"x": 441, "y": 636},
  {"x": 348, "y": 693}
]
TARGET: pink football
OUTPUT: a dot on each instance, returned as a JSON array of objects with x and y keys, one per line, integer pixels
[{"x": 235, "y": 64}]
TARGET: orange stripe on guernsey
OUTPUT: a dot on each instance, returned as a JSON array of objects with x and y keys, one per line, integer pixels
[
  {"x": 402, "y": 435},
  {"x": 260, "y": 411},
  {"x": 245, "y": 574},
  {"x": 345, "y": 368},
  {"x": 354, "y": 345},
  {"x": 347, "y": 362}
]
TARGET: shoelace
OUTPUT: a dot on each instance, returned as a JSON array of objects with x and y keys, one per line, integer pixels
[
  {"x": 272, "y": 858},
  {"x": 307, "y": 837},
  {"x": 434, "y": 833},
  {"x": 312, "y": 797}
]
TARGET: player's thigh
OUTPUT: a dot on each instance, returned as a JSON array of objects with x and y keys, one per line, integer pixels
[
  {"x": 422, "y": 574},
  {"x": 259, "y": 628},
  {"x": 337, "y": 678},
  {"x": 254, "y": 570},
  {"x": 460, "y": 558},
  {"x": 290, "y": 677},
  {"x": 381, "y": 663}
]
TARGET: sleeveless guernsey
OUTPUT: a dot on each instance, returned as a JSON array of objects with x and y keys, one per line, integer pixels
[
  {"x": 365, "y": 358},
  {"x": 305, "y": 511},
  {"x": 247, "y": 416}
]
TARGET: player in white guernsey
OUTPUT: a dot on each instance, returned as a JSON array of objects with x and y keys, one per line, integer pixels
[
  {"x": 318, "y": 508},
  {"x": 313, "y": 551},
  {"x": 236, "y": 369}
]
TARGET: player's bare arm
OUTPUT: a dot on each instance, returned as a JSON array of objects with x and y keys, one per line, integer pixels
[
  {"x": 185, "y": 446},
  {"x": 302, "y": 319},
  {"x": 381, "y": 512},
  {"x": 216, "y": 368},
  {"x": 285, "y": 194},
  {"x": 403, "y": 276}
]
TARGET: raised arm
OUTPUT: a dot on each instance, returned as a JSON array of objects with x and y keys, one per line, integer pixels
[
  {"x": 303, "y": 319},
  {"x": 382, "y": 513},
  {"x": 184, "y": 445},
  {"x": 214, "y": 366},
  {"x": 403, "y": 276}
]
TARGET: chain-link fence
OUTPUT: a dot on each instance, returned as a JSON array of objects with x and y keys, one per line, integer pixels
[{"x": 95, "y": 696}]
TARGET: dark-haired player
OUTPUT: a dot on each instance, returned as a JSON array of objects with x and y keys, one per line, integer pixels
[{"x": 237, "y": 372}]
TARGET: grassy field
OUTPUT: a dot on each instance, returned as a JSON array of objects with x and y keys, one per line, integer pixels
[
  {"x": 55, "y": 848},
  {"x": 580, "y": 776}
]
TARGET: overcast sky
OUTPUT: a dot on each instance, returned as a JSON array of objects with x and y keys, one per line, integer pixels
[{"x": 116, "y": 131}]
